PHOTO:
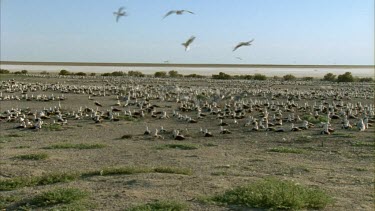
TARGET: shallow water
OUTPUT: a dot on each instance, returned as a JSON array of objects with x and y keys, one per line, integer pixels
[{"x": 314, "y": 72}]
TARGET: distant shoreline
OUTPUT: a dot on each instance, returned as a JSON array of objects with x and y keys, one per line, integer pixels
[{"x": 182, "y": 65}]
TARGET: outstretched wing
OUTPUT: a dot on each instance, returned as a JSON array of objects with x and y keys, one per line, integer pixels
[
  {"x": 188, "y": 11},
  {"x": 238, "y": 45},
  {"x": 169, "y": 13},
  {"x": 121, "y": 9},
  {"x": 190, "y": 40}
]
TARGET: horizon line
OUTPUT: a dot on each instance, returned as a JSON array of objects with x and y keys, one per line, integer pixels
[{"x": 196, "y": 65}]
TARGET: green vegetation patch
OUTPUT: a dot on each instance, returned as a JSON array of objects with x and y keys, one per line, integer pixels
[
  {"x": 37, "y": 156},
  {"x": 127, "y": 118},
  {"x": 118, "y": 171},
  {"x": 219, "y": 173},
  {"x": 14, "y": 135},
  {"x": 136, "y": 170},
  {"x": 19, "y": 182},
  {"x": 171, "y": 170},
  {"x": 274, "y": 194},
  {"x": 314, "y": 120},
  {"x": 363, "y": 144},
  {"x": 6, "y": 201},
  {"x": 287, "y": 150},
  {"x": 343, "y": 135},
  {"x": 210, "y": 145},
  {"x": 305, "y": 139},
  {"x": 75, "y": 146},
  {"x": 160, "y": 206},
  {"x": 178, "y": 146},
  {"x": 58, "y": 196},
  {"x": 10, "y": 137},
  {"x": 52, "y": 127}
]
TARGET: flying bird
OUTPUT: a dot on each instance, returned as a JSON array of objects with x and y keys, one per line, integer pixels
[
  {"x": 243, "y": 44},
  {"x": 120, "y": 13},
  {"x": 239, "y": 58},
  {"x": 177, "y": 12},
  {"x": 188, "y": 42}
]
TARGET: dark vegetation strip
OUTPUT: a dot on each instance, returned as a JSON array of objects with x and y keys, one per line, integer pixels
[{"x": 19, "y": 182}]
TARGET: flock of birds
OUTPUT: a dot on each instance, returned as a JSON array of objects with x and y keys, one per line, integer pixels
[
  {"x": 226, "y": 107},
  {"x": 121, "y": 13}
]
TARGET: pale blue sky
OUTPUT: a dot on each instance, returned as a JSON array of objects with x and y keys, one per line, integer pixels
[{"x": 285, "y": 31}]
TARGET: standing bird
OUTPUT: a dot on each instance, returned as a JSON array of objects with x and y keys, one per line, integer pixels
[
  {"x": 120, "y": 13},
  {"x": 243, "y": 44},
  {"x": 188, "y": 43},
  {"x": 177, "y": 12}
]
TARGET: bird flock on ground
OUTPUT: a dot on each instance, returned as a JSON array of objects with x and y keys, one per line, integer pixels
[
  {"x": 121, "y": 13},
  {"x": 208, "y": 107}
]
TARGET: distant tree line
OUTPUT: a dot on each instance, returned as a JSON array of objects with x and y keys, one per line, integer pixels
[
  {"x": 121, "y": 73},
  {"x": 346, "y": 77},
  {"x": 22, "y": 72},
  {"x": 65, "y": 72},
  {"x": 224, "y": 76},
  {"x": 4, "y": 71}
]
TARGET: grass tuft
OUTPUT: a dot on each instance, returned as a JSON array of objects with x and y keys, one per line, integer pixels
[
  {"x": 56, "y": 178},
  {"x": 287, "y": 150},
  {"x": 361, "y": 169},
  {"x": 6, "y": 201},
  {"x": 127, "y": 136},
  {"x": 304, "y": 139},
  {"x": 160, "y": 206},
  {"x": 210, "y": 145},
  {"x": 14, "y": 135},
  {"x": 9, "y": 137},
  {"x": 123, "y": 171},
  {"x": 52, "y": 127},
  {"x": 219, "y": 173},
  {"x": 58, "y": 196},
  {"x": 22, "y": 147},
  {"x": 19, "y": 182},
  {"x": 314, "y": 120},
  {"x": 343, "y": 135},
  {"x": 275, "y": 194},
  {"x": 170, "y": 170},
  {"x": 178, "y": 146},
  {"x": 75, "y": 146},
  {"x": 136, "y": 170},
  {"x": 127, "y": 118},
  {"x": 38, "y": 156},
  {"x": 363, "y": 144}
]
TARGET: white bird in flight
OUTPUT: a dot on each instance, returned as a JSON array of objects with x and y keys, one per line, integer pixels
[
  {"x": 243, "y": 44},
  {"x": 120, "y": 13},
  {"x": 177, "y": 12},
  {"x": 188, "y": 42}
]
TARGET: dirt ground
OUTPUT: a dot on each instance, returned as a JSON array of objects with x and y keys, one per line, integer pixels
[{"x": 342, "y": 164}]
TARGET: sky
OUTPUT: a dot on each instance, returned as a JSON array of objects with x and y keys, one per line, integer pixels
[{"x": 284, "y": 32}]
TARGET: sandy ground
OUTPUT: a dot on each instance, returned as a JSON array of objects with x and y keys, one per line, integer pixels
[{"x": 332, "y": 163}]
